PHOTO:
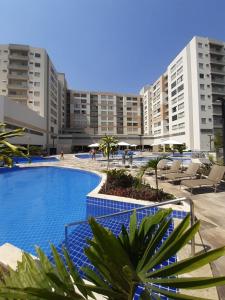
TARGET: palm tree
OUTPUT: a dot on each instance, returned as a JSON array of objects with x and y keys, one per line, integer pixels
[
  {"x": 107, "y": 145},
  {"x": 153, "y": 164},
  {"x": 7, "y": 150}
]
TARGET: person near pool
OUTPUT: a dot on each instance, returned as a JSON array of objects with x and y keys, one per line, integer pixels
[
  {"x": 93, "y": 154},
  {"x": 61, "y": 154}
]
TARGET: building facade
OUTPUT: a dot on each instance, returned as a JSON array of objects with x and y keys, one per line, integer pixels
[
  {"x": 28, "y": 76},
  {"x": 99, "y": 113},
  {"x": 184, "y": 103},
  {"x": 184, "y": 100}
]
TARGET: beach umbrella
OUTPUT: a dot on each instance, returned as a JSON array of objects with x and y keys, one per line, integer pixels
[
  {"x": 171, "y": 142},
  {"x": 96, "y": 145},
  {"x": 123, "y": 144},
  {"x": 133, "y": 145}
]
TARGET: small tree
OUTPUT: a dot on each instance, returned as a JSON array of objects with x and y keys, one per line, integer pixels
[
  {"x": 8, "y": 150},
  {"x": 180, "y": 148},
  {"x": 107, "y": 145},
  {"x": 218, "y": 141},
  {"x": 152, "y": 164}
]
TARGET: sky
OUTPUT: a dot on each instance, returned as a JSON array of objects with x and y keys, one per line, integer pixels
[{"x": 110, "y": 45}]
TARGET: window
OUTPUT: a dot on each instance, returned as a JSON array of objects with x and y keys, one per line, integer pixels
[
  {"x": 174, "y": 118},
  {"x": 210, "y": 120},
  {"x": 173, "y": 93},
  {"x": 209, "y": 107},
  {"x": 37, "y": 84},
  {"x": 174, "y": 109},
  {"x": 202, "y": 86},
  {"x": 180, "y": 70},
  {"x": 37, "y": 65},
  {"x": 201, "y": 75},
  {"x": 200, "y": 66},
  {"x": 36, "y": 94},
  {"x": 181, "y": 97},
  {"x": 37, "y": 55},
  {"x": 37, "y": 74},
  {"x": 203, "y": 120},
  {"x": 202, "y": 97},
  {"x": 173, "y": 84},
  {"x": 173, "y": 76},
  {"x": 208, "y": 85},
  {"x": 180, "y": 88},
  {"x": 202, "y": 107},
  {"x": 180, "y": 79},
  {"x": 200, "y": 55},
  {"x": 199, "y": 45},
  {"x": 181, "y": 106}
]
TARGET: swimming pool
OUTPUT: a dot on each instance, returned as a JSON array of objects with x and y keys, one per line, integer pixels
[
  {"x": 37, "y": 202},
  {"x": 34, "y": 159}
]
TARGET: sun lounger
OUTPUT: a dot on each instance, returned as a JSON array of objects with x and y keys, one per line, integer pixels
[
  {"x": 215, "y": 176},
  {"x": 174, "y": 169},
  {"x": 189, "y": 173}
]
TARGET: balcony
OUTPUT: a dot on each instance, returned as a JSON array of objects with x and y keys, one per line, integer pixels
[
  {"x": 218, "y": 91},
  {"x": 217, "y": 71},
  {"x": 18, "y": 76},
  {"x": 217, "y": 111},
  {"x": 18, "y": 96},
  {"x": 217, "y": 61},
  {"x": 18, "y": 86},
  {"x": 18, "y": 56},
  {"x": 18, "y": 67}
]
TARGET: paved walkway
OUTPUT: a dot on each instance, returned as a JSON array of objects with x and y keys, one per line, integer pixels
[{"x": 209, "y": 208}]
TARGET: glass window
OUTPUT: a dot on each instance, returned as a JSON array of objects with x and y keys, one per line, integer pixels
[{"x": 203, "y": 120}]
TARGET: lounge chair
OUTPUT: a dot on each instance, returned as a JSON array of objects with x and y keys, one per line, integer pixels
[
  {"x": 189, "y": 173},
  {"x": 162, "y": 164},
  {"x": 213, "y": 180},
  {"x": 173, "y": 169}
]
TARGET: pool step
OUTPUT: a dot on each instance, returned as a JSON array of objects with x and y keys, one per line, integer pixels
[{"x": 10, "y": 255}]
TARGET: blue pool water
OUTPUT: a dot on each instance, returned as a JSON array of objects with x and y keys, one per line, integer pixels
[
  {"x": 34, "y": 159},
  {"x": 87, "y": 155},
  {"x": 37, "y": 202}
]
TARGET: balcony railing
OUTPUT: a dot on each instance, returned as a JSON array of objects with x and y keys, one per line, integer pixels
[
  {"x": 18, "y": 67},
  {"x": 17, "y": 86},
  {"x": 18, "y": 96},
  {"x": 18, "y": 76},
  {"x": 18, "y": 56},
  {"x": 218, "y": 90},
  {"x": 218, "y": 71},
  {"x": 217, "y": 61}
]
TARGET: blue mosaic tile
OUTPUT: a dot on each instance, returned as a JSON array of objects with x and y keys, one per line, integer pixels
[{"x": 97, "y": 207}]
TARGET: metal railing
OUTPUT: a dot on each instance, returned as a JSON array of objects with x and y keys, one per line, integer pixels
[{"x": 174, "y": 201}]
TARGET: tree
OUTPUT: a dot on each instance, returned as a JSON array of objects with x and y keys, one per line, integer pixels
[
  {"x": 121, "y": 264},
  {"x": 153, "y": 164},
  {"x": 8, "y": 150},
  {"x": 218, "y": 141},
  {"x": 107, "y": 145},
  {"x": 180, "y": 148}
]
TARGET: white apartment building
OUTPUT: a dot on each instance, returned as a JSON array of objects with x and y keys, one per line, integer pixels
[
  {"x": 28, "y": 76},
  {"x": 181, "y": 104},
  {"x": 91, "y": 115},
  {"x": 183, "y": 101}
]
